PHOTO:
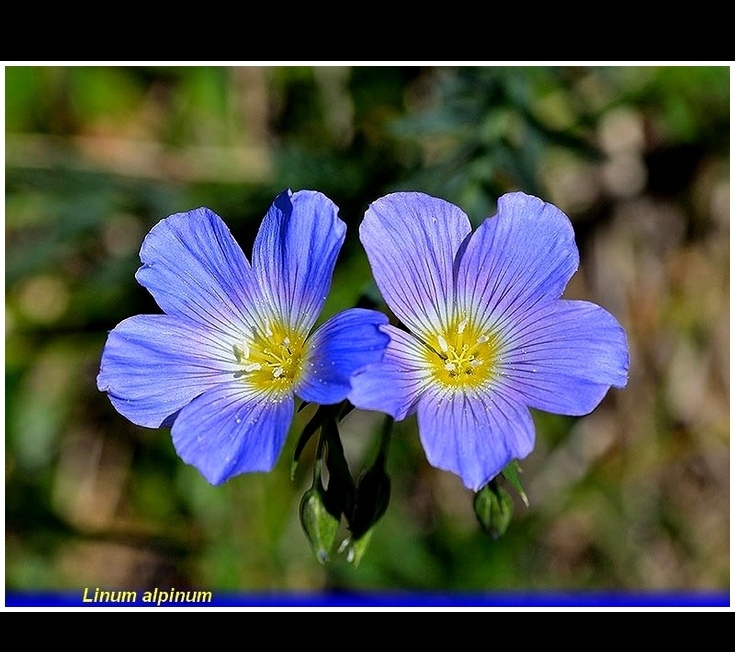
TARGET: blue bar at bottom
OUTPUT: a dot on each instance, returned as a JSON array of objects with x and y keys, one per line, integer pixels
[{"x": 172, "y": 597}]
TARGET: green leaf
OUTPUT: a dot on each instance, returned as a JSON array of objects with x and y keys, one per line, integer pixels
[
  {"x": 373, "y": 488},
  {"x": 341, "y": 492}
]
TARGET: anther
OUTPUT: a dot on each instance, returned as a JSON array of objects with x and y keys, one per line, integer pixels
[{"x": 442, "y": 344}]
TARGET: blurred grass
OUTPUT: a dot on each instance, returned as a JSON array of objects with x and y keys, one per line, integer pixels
[{"x": 632, "y": 497}]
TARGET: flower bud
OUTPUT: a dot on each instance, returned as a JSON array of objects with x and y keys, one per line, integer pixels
[
  {"x": 373, "y": 496},
  {"x": 318, "y": 524},
  {"x": 494, "y": 509}
]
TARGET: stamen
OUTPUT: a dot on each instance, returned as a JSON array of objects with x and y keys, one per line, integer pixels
[
  {"x": 463, "y": 357},
  {"x": 270, "y": 358}
]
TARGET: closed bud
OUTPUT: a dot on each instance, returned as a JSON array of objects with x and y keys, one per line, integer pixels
[
  {"x": 373, "y": 496},
  {"x": 318, "y": 524},
  {"x": 494, "y": 509}
]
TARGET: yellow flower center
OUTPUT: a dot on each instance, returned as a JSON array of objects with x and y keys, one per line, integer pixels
[
  {"x": 271, "y": 360},
  {"x": 462, "y": 356}
]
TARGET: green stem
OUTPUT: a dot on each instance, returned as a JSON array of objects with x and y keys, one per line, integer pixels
[{"x": 385, "y": 435}]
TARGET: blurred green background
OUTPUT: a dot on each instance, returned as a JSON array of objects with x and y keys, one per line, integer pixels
[{"x": 633, "y": 497}]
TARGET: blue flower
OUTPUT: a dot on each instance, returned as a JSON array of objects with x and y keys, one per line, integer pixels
[
  {"x": 223, "y": 364},
  {"x": 488, "y": 335}
]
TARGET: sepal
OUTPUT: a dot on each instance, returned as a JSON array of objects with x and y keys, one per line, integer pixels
[{"x": 512, "y": 474}]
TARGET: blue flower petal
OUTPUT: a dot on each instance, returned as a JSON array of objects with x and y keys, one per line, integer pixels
[
  {"x": 294, "y": 255},
  {"x": 525, "y": 254},
  {"x": 194, "y": 268},
  {"x": 153, "y": 365},
  {"x": 230, "y": 430},
  {"x": 338, "y": 348},
  {"x": 564, "y": 356},
  {"x": 395, "y": 384},
  {"x": 473, "y": 436},
  {"x": 489, "y": 304},
  {"x": 411, "y": 240}
]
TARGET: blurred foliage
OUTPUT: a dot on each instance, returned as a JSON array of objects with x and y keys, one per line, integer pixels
[{"x": 632, "y": 497}]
